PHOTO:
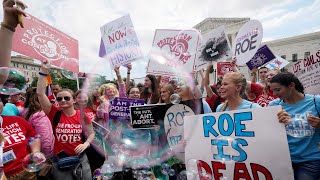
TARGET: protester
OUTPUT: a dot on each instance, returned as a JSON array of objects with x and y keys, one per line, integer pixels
[
  {"x": 16, "y": 145},
  {"x": 213, "y": 98},
  {"x": 16, "y": 100},
  {"x": 233, "y": 85},
  {"x": 55, "y": 87},
  {"x": 8, "y": 109},
  {"x": 267, "y": 95},
  {"x": 150, "y": 93},
  {"x": 84, "y": 102},
  {"x": 68, "y": 127},
  {"x": 304, "y": 110},
  {"x": 262, "y": 75},
  {"x": 165, "y": 92},
  {"x": 33, "y": 113}
]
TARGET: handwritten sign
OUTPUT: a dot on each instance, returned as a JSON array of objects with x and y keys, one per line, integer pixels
[
  {"x": 247, "y": 41},
  {"x": 262, "y": 56},
  {"x": 308, "y": 72},
  {"x": 46, "y": 43},
  {"x": 277, "y": 63},
  {"x": 173, "y": 123},
  {"x": 173, "y": 50},
  {"x": 120, "y": 42},
  {"x": 214, "y": 47},
  {"x": 234, "y": 145},
  {"x": 120, "y": 108}
]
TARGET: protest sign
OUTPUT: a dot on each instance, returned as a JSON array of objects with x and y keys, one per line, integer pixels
[
  {"x": 101, "y": 135},
  {"x": 308, "y": 72},
  {"x": 277, "y": 63},
  {"x": 45, "y": 43},
  {"x": 247, "y": 41},
  {"x": 214, "y": 47},
  {"x": 168, "y": 117},
  {"x": 263, "y": 56},
  {"x": 223, "y": 68},
  {"x": 120, "y": 42},
  {"x": 237, "y": 145},
  {"x": 120, "y": 108},
  {"x": 173, "y": 52}
]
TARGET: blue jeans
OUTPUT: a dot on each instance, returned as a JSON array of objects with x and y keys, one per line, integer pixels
[{"x": 309, "y": 170}]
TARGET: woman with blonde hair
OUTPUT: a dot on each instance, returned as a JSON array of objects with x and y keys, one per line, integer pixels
[
  {"x": 232, "y": 90},
  {"x": 165, "y": 92}
]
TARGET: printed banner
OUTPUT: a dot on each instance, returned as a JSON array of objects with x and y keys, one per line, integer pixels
[
  {"x": 247, "y": 41},
  {"x": 277, "y": 63},
  {"x": 237, "y": 145},
  {"x": 43, "y": 42},
  {"x": 120, "y": 108},
  {"x": 263, "y": 56},
  {"x": 173, "y": 52},
  {"x": 308, "y": 72},
  {"x": 223, "y": 68},
  {"x": 215, "y": 47},
  {"x": 120, "y": 42}
]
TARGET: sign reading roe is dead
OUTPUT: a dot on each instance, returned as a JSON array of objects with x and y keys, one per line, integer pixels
[{"x": 237, "y": 145}]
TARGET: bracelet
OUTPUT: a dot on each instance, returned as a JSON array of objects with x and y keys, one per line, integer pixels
[
  {"x": 8, "y": 27},
  {"x": 128, "y": 73},
  {"x": 43, "y": 74}
]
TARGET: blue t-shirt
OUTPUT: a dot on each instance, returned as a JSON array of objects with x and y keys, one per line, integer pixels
[
  {"x": 206, "y": 107},
  {"x": 303, "y": 139},
  {"x": 10, "y": 110},
  {"x": 244, "y": 105}
]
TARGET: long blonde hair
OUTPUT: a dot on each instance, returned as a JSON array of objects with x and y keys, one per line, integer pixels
[{"x": 237, "y": 78}]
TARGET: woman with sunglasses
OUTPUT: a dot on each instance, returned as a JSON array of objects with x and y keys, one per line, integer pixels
[
  {"x": 68, "y": 127},
  {"x": 33, "y": 113}
]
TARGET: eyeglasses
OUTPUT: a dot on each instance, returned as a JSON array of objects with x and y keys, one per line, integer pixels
[{"x": 67, "y": 98}]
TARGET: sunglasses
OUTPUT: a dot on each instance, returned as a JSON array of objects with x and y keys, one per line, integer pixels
[{"x": 67, "y": 98}]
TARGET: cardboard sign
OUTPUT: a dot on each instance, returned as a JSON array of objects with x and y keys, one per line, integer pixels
[
  {"x": 214, "y": 47},
  {"x": 277, "y": 63},
  {"x": 237, "y": 145},
  {"x": 173, "y": 52},
  {"x": 43, "y": 42},
  {"x": 223, "y": 68},
  {"x": 120, "y": 108},
  {"x": 308, "y": 70},
  {"x": 120, "y": 42},
  {"x": 263, "y": 56},
  {"x": 247, "y": 41}
]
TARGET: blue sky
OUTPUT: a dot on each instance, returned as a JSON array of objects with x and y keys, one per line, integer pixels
[{"x": 82, "y": 20}]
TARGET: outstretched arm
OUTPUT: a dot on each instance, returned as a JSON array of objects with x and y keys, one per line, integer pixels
[
  {"x": 8, "y": 26},
  {"x": 41, "y": 90}
]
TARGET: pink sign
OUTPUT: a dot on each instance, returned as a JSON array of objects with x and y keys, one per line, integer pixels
[
  {"x": 43, "y": 42},
  {"x": 223, "y": 68}
]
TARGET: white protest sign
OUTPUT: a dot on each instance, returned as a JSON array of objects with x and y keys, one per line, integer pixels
[
  {"x": 277, "y": 63},
  {"x": 237, "y": 145},
  {"x": 247, "y": 41},
  {"x": 173, "y": 123},
  {"x": 120, "y": 41},
  {"x": 173, "y": 52},
  {"x": 214, "y": 47},
  {"x": 308, "y": 72}
]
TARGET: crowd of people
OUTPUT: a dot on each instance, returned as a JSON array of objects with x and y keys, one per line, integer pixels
[{"x": 61, "y": 125}]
